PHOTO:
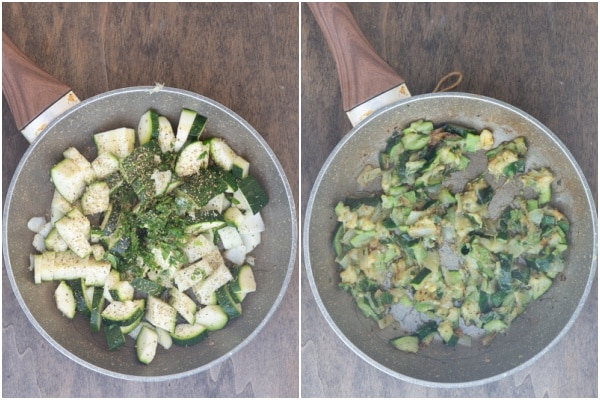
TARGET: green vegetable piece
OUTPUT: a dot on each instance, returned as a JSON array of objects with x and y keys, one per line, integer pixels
[
  {"x": 415, "y": 141},
  {"x": 147, "y": 286},
  {"x": 95, "y": 313},
  {"x": 460, "y": 130},
  {"x": 114, "y": 337},
  {"x": 409, "y": 344},
  {"x": 418, "y": 279},
  {"x": 426, "y": 330}
]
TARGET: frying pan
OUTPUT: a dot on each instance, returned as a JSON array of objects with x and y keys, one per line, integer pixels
[
  {"x": 546, "y": 320},
  {"x": 30, "y": 193}
]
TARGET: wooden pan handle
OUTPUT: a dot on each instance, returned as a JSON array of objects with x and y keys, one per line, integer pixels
[
  {"x": 362, "y": 73},
  {"x": 28, "y": 89}
]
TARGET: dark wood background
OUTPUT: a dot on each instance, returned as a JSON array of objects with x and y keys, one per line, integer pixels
[
  {"x": 244, "y": 56},
  {"x": 541, "y": 58}
]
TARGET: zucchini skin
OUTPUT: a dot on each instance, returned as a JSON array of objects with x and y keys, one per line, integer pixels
[{"x": 186, "y": 335}]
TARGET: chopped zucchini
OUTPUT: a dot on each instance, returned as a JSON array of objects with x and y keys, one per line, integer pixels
[
  {"x": 221, "y": 153},
  {"x": 96, "y": 198},
  {"x": 436, "y": 249},
  {"x": 120, "y": 142},
  {"x": 146, "y": 344},
  {"x": 122, "y": 291},
  {"x": 409, "y": 344},
  {"x": 78, "y": 287},
  {"x": 59, "y": 207},
  {"x": 206, "y": 288},
  {"x": 192, "y": 158},
  {"x": 114, "y": 337},
  {"x": 105, "y": 164},
  {"x": 243, "y": 283},
  {"x": 147, "y": 286},
  {"x": 198, "y": 247},
  {"x": 185, "y": 306},
  {"x": 69, "y": 179},
  {"x": 234, "y": 216},
  {"x": 96, "y": 310},
  {"x": 240, "y": 167},
  {"x": 190, "y": 128},
  {"x": 65, "y": 300},
  {"x": 56, "y": 266},
  {"x": 139, "y": 238},
  {"x": 54, "y": 242},
  {"x": 189, "y": 334},
  {"x": 84, "y": 165},
  {"x": 212, "y": 317},
  {"x": 251, "y": 195},
  {"x": 160, "y": 314},
  {"x": 166, "y": 136},
  {"x": 228, "y": 303},
  {"x": 230, "y": 237},
  {"x": 123, "y": 313},
  {"x": 148, "y": 127},
  {"x": 192, "y": 274},
  {"x": 164, "y": 338}
]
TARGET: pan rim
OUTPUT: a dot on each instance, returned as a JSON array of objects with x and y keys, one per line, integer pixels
[
  {"x": 291, "y": 208},
  {"x": 316, "y": 186}
]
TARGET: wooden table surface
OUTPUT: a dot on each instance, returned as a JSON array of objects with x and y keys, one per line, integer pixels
[
  {"x": 541, "y": 58},
  {"x": 244, "y": 56}
]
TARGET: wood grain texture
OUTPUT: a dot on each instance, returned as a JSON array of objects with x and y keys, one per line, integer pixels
[
  {"x": 541, "y": 58},
  {"x": 28, "y": 89},
  {"x": 244, "y": 56},
  {"x": 362, "y": 73}
]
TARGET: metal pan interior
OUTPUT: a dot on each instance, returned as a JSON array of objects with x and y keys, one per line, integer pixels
[
  {"x": 30, "y": 193},
  {"x": 532, "y": 333}
]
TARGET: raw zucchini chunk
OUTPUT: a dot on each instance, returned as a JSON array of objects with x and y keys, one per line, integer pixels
[
  {"x": 123, "y": 313},
  {"x": 185, "y": 306},
  {"x": 65, "y": 300},
  {"x": 105, "y": 164},
  {"x": 251, "y": 195},
  {"x": 56, "y": 266},
  {"x": 221, "y": 153},
  {"x": 190, "y": 128},
  {"x": 193, "y": 274},
  {"x": 160, "y": 314},
  {"x": 205, "y": 289},
  {"x": 74, "y": 228},
  {"x": 189, "y": 334},
  {"x": 243, "y": 283},
  {"x": 192, "y": 158},
  {"x": 146, "y": 344},
  {"x": 114, "y": 337},
  {"x": 166, "y": 136},
  {"x": 69, "y": 179},
  {"x": 73, "y": 154},
  {"x": 212, "y": 317},
  {"x": 148, "y": 127},
  {"x": 96, "y": 198},
  {"x": 119, "y": 142}
]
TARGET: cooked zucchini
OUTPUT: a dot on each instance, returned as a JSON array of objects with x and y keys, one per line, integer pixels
[{"x": 437, "y": 250}]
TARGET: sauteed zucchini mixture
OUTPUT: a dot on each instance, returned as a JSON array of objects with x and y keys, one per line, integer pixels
[
  {"x": 421, "y": 247},
  {"x": 154, "y": 237}
]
